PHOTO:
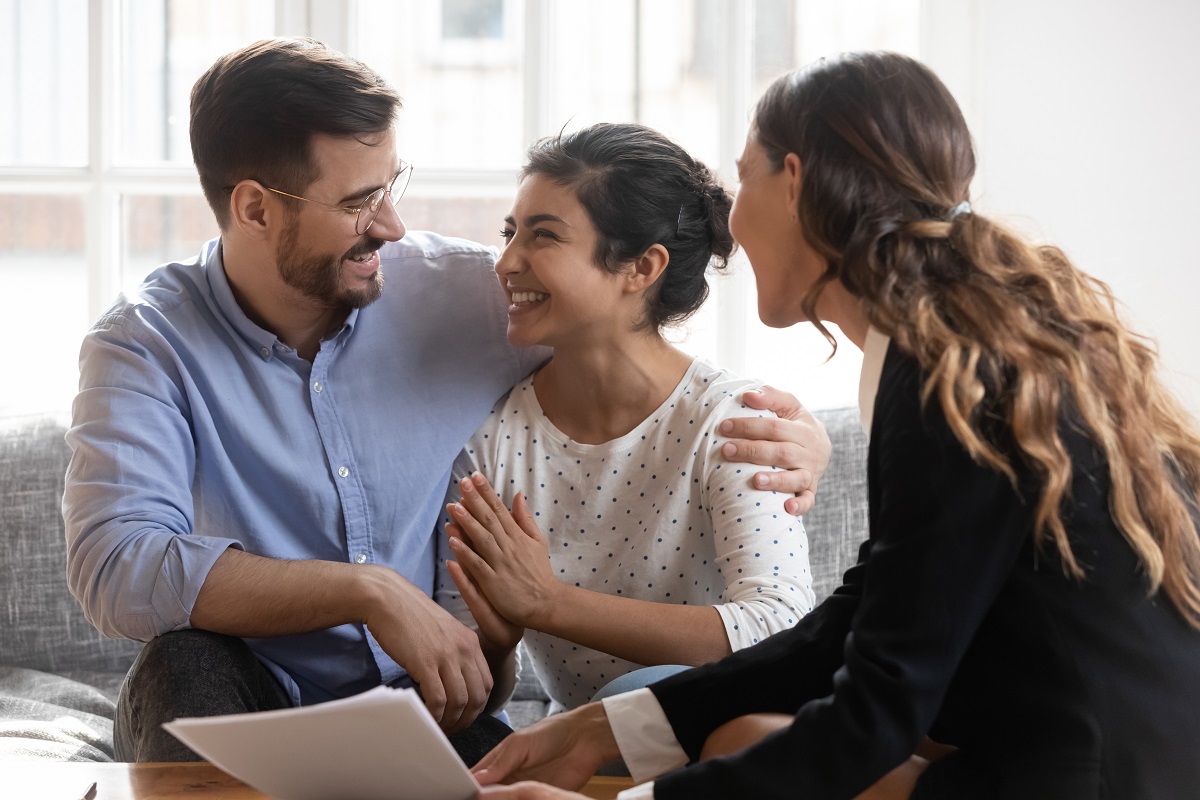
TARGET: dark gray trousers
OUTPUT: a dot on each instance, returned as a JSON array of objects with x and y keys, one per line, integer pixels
[{"x": 195, "y": 673}]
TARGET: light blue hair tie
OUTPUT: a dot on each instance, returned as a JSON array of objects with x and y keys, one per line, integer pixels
[{"x": 962, "y": 208}]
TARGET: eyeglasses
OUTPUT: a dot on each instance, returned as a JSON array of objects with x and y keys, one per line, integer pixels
[{"x": 365, "y": 214}]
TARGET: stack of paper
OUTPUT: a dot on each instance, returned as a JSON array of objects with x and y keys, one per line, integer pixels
[{"x": 379, "y": 745}]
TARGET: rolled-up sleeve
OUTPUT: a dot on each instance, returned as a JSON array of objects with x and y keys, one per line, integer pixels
[{"x": 133, "y": 562}]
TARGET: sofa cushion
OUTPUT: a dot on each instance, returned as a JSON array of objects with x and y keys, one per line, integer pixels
[
  {"x": 41, "y": 625},
  {"x": 837, "y": 524}
]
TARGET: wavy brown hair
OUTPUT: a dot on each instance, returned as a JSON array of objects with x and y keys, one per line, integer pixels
[{"x": 999, "y": 325}]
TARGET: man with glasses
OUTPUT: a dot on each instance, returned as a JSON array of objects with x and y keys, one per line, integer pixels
[{"x": 263, "y": 436}]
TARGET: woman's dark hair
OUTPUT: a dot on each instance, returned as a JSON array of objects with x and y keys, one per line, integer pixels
[
  {"x": 641, "y": 189},
  {"x": 254, "y": 113},
  {"x": 1005, "y": 330}
]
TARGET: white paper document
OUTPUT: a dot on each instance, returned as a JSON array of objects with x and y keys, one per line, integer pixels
[{"x": 379, "y": 745}]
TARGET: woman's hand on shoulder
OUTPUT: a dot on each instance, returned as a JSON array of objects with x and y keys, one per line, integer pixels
[{"x": 793, "y": 441}]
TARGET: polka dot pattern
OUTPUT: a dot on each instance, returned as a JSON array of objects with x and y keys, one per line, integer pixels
[{"x": 657, "y": 515}]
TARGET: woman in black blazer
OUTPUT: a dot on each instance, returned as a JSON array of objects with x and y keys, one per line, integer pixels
[{"x": 1029, "y": 595}]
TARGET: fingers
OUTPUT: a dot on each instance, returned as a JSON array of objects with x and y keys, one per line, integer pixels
[
  {"x": 772, "y": 429},
  {"x": 481, "y": 484},
  {"x": 472, "y": 595},
  {"x": 432, "y": 692},
  {"x": 499, "y": 763},
  {"x": 781, "y": 403},
  {"x": 495, "y": 631},
  {"x": 475, "y": 564},
  {"x": 801, "y": 504},
  {"x": 524, "y": 518},
  {"x": 483, "y": 502},
  {"x": 446, "y": 661},
  {"x": 459, "y": 712},
  {"x": 466, "y": 683},
  {"x": 804, "y": 431},
  {"x": 445, "y": 690},
  {"x": 480, "y": 535},
  {"x": 792, "y": 481},
  {"x": 800, "y": 449},
  {"x": 782, "y": 455}
]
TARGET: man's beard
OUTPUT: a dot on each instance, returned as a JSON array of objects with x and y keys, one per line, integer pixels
[{"x": 319, "y": 277}]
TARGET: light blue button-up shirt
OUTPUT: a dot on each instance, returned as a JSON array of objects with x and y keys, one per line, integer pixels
[{"x": 195, "y": 430}]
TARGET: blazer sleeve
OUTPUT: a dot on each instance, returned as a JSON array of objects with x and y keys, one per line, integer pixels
[{"x": 945, "y": 534}]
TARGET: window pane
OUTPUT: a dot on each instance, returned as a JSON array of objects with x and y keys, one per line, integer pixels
[
  {"x": 655, "y": 63},
  {"x": 679, "y": 64},
  {"x": 157, "y": 229},
  {"x": 592, "y": 78},
  {"x": 797, "y": 359},
  {"x": 165, "y": 46},
  {"x": 44, "y": 77},
  {"x": 43, "y": 281},
  {"x": 792, "y": 33},
  {"x": 457, "y": 64},
  {"x": 479, "y": 219},
  {"x": 787, "y": 34}
]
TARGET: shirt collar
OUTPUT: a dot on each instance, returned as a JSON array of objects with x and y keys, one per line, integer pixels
[
  {"x": 262, "y": 340},
  {"x": 874, "y": 351}
]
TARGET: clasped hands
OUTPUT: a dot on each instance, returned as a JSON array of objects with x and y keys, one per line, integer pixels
[{"x": 503, "y": 563}]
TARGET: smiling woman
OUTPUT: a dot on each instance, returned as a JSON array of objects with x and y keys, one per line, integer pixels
[
  {"x": 549, "y": 272},
  {"x": 638, "y": 545}
]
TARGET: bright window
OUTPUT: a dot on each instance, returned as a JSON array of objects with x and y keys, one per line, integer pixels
[{"x": 97, "y": 186}]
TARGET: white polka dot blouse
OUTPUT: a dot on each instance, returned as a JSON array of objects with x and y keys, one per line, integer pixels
[{"x": 657, "y": 515}]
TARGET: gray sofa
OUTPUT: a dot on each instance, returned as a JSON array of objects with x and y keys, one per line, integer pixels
[{"x": 59, "y": 678}]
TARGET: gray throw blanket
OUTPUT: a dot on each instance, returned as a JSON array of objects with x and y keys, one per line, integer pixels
[{"x": 44, "y": 716}]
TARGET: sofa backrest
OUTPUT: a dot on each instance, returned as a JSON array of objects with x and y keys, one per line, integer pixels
[
  {"x": 837, "y": 524},
  {"x": 41, "y": 625}
]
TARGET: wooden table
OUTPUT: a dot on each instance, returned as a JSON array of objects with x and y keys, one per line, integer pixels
[{"x": 50, "y": 780}]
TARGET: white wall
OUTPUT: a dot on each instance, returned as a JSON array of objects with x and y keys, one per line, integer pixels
[{"x": 1086, "y": 115}]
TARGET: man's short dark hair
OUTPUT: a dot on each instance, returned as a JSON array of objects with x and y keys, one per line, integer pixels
[{"x": 254, "y": 113}]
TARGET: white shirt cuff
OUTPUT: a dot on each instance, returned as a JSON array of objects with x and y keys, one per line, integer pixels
[
  {"x": 644, "y": 736},
  {"x": 643, "y": 791}
]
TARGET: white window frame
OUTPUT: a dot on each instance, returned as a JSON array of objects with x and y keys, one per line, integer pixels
[{"x": 102, "y": 182}]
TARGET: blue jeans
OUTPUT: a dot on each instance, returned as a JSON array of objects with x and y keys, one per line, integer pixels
[{"x": 638, "y": 679}]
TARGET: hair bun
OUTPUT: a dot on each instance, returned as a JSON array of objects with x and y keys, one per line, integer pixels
[{"x": 715, "y": 203}]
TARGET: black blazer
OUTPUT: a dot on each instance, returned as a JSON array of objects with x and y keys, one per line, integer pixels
[{"x": 952, "y": 624}]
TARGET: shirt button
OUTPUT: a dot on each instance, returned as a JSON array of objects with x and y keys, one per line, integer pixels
[
  {"x": 265, "y": 352},
  {"x": 317, "y": 387},
  {"x": 361, "y": 558},
  {"x": 343, "y": 471}
]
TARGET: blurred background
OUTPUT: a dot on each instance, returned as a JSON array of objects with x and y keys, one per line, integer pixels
[{"x": 1084, "y": 114}]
